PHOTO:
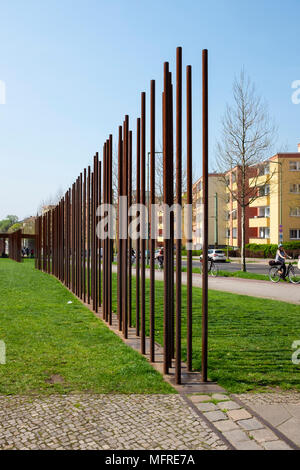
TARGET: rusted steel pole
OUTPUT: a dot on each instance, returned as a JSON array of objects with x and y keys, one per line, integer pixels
[
  {"x": 104, "y": 280},
  {"x": 120, "y": 192},
  {"x": 129, "y": 220},
  {"x": 99, "y": 239},
  {"x": 96, "y": 181},
  {"x": 84, "y": 235},
  {"x": 125, "y": 242},
  {"x": 109, "y": 240},
  {"x": 92, "y": 242},
  {"x": 189, "y": 202},
  {"x": 165, "y": 242},
  {"x": 171, "y": 188},
  {"x": 152, "y": 239},
  {"x": 166, "y": 198},
  {"x": 205, "y": 214},
  {"x": 106, "y": 247},
  {"x": 179, "y": 202},
  {"x": 143, "y": 201},
  {"x": 88, "y": 234},
  {"x": 48, "y": 241},
  {"x": 77, "y": 235},
  {"x": 80, "y": 239},
  {"x": 138, "y": 242}
]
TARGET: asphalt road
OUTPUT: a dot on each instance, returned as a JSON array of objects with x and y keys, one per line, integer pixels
[{"x": 255, "y": 268}]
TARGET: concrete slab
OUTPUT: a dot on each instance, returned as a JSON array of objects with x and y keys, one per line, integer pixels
[{"x": 291, "y": 429}]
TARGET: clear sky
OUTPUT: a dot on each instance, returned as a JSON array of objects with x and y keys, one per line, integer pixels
[{"x": 74, "y": 68}]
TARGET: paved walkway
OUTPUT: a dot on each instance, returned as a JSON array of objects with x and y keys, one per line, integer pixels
[
  {"x": 281, "y": 410},
  {"x": 115, "y": 422},
  {"x": 242, "y": 426},
  {"x": 265, "y": 289}
]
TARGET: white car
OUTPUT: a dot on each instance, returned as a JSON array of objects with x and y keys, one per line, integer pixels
[{"x": 216, "y": 255}]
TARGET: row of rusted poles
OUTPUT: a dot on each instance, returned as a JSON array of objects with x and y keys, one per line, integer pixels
[
  {"x": 15, "y": 245},
  {"x": 68, "y": 243}
]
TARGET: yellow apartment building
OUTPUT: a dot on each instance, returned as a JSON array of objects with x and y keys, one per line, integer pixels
[
  {"x": 275, "y": 215},
  {"x": 216, "y": 211}
]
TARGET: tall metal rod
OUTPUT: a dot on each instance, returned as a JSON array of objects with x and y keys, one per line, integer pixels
[
  {"x": 88, "y": 234},
  {"x": 120, "y": 192},
  {"x": 125, "y": 242},
  {"x": 166, "y": 184},
  {"x": 129, "y": 220},
  {"x": 104, "y": 281},
  {"x": 99, "y": 242},
  {"x": 171, "y": 199},
  {"x": 109, "y": 240},
  {"x": 84, "y": 235},
  {"x": 152, "y": 202},
  {"x": 143, "y": 201},
  {"x": 179, "y": 202},
  {"x": 138, "y": 243},
  {"x": 205, "y": 213},
  {"x": 189, "y": 202}
]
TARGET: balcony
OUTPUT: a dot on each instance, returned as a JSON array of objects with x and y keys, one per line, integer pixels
[
  {"x": 261, "y": 201},
  {"x": 259, "y": 180},
  {"x": 260, "y": 241},
  {"x": 259, "y": 222}
]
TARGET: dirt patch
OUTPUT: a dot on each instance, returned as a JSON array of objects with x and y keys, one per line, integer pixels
[{"x": 55, "y": 379}]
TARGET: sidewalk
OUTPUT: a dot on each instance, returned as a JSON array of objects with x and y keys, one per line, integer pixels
[{"x": 284, "y": 292}]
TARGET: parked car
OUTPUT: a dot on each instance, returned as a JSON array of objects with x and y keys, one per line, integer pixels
[{"x": 216, "y": 255}]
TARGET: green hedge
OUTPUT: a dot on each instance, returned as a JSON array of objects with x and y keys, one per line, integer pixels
[
  {"x": 194, "y": 252},
  {"x": 269, "y": 251}
]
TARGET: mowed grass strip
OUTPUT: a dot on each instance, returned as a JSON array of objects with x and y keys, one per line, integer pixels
[
  {"x": 249, "y": 339},
  {"x": 56, "y": 347}
]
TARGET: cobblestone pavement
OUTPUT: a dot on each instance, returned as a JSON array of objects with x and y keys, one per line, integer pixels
[
  {"x": 281, "y": 410},
  {"x": 89, "y": 421},
  {"x": 243, "y": 429}
]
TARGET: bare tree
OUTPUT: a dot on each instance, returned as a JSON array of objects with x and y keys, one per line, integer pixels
[{"x": 247, "y": 138}]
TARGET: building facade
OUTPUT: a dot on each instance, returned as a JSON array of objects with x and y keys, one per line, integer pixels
[
  {"x": 216, "y": 211},
  {"x": 275, "y": 214}
]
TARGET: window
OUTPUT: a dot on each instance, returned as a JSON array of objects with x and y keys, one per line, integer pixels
[
  {"x": 295, "y": 166},
  {"x": 264, "y": 232},
  {"x": 295, "y": 211},
  {"x": 264, "y": 211},
  {"x": 228, "y": 233},
  {"x": 264, "y": 190},
  {"x": 294, "y": 188},
  {"x": 234, "y": 214},
  {"x": 234, "y": 232},
  {"x": 264, "y": 170},
  {"x": 295, "y": 234}
]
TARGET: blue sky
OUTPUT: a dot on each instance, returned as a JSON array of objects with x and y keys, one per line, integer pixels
[{"x": 74, "y": 68}]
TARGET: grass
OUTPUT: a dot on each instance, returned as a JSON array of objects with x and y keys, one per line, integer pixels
[
  {"x": 56, "y": 347},
  {"x": 250, "y": 339}
]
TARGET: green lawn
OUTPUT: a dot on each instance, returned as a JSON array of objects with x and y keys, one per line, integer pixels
[
  {"x": 250, "y": 339},
  {"x": 48, "y": 340}
]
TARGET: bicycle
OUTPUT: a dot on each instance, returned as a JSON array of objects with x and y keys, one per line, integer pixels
[
  {"x": 292, "y": 273},
  {"x": 212, "y": 267}
]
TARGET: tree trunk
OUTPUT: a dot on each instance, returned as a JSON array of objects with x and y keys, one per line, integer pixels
[{"x": 243, "y": 251}]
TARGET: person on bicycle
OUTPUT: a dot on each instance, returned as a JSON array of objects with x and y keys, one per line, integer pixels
[
  {"x": 160, "y": 257},
  {"x": 281, "y": 256}
]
